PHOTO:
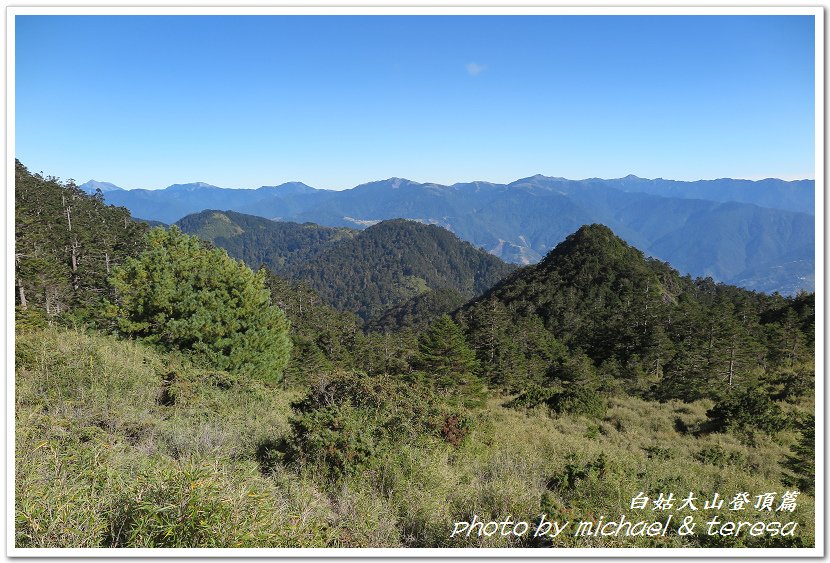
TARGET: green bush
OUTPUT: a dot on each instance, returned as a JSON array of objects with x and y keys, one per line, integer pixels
[
  {"x": 719, "y": 456},
  {"x": 181, "y": 295},
  {"x": 745, "y": 409},
  {"x": 349, "y": 422},
  {"x": 533, "y": 396},
  {"x": 575, "y": 398},
  {"x": 28, "y": 319},
  {"x": 579, "y": 399}
]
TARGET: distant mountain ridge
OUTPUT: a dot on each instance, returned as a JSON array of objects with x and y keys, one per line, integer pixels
[
  {"x": 726, "y": 229},
  {"x": 795, "y": 195},
  {"x": 790, "y": 195}
]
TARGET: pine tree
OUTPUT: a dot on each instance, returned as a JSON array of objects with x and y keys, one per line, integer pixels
[
  {"x": 443, "y": 352},
  {"x": 182, "y": 295},
  {"x": 802, "y": 462}
]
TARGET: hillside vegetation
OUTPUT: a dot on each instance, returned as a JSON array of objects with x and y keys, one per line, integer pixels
[
  {"x": 395, "y": 261},
  {"x": 112, "y": 451},
  {"x": 640, "y": 324},
  {"x": 177, "y": 398},
  {"x": 281, "y": 246}
]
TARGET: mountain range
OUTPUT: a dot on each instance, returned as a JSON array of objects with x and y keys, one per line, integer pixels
[{"x": 758, "y": 235}]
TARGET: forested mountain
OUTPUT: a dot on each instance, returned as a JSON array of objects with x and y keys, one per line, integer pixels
[
  {"x": 424, "y": 269},
  {"x": 759, "y": 235},
  {"x": 637, "y": 322},
  {"x": 395, "y": 261},
  {"x": 66, "y": 245},
  {"x": 281, "y": 246}
]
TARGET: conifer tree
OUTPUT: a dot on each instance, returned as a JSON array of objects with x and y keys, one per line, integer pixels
[
  {"x": 66, "y": 244},
  {"x": 444, "y": 353},
  {"x": 179, "y": 294}
]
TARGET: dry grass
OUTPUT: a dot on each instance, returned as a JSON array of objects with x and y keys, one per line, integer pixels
[{"x": 113, "y": 450}]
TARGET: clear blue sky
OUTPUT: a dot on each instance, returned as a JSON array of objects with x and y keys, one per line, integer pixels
[{"x": 244, "y": 101}]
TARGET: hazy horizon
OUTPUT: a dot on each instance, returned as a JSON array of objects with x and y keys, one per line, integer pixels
[{"x": 425, "y": 182}]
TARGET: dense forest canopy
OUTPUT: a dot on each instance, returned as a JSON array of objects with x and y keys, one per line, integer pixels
[
  {"x": 640, "y": 323},
  {"x": 281, "y": 246}
]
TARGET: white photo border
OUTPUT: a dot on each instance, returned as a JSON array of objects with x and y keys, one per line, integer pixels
[{"x": 462, "y": 7}]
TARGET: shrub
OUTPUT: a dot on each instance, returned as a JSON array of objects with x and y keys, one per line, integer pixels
[
  {"x": 349, "y": 422},
  {"x": 454, "y": 429},
  {"x": 579, "y": 399},
  {"x": 181, "y": 295},
  {"x": 533, "y": 396},
  {"x": 28, "y": 319},
  {"x": 575, "y": 398},
  {"x": 746, "y": 409}
]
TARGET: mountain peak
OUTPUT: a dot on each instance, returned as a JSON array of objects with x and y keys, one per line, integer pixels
[
  {"x": 92, "y": 185},
  {"x": 538, "y": 180},
  {"x": 290, "y": 188},
  {"x": 595, "y": 240},
  {"x": 390, "y": 183},
  {"x": 395, "y": 182},
  {"x": 191, "y": 187}
]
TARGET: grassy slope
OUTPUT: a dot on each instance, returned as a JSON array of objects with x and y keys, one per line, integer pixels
[{"x": 107, "y": 454}]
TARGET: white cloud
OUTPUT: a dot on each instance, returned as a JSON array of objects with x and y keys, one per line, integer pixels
[{"x": 474, "y": 69}]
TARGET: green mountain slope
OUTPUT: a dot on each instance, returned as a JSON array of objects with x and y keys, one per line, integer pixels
[
  {"x": 394, "y": 261},
  {"x": 637, "y": 322},
  {"x": 141, "y": 449},
  {"x": 281, "y": 246},
  {"x": 363, "y": 272}
]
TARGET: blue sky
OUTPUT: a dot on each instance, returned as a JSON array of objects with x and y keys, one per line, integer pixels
[{"x": 245, "y": 101}]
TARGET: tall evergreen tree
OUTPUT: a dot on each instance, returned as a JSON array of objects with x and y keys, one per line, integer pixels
[{"x": 444, "y": 354}]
